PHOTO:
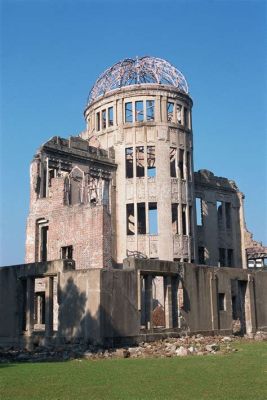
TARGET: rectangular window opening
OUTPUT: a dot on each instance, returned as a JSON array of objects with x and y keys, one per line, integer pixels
[
  {"x": 201, "y": 255},
  {"x": 128, "y": 112},
  {"x": 43, "y": 242},
  {"x": 129, "y": 162},
  {"x": 221, "y": 301},
  {"x": 184, "y": 219},
  {"x": 110, "y": 116},
  {"x": 230, "y": 258},
  {"x": 130, "y": 219},
  {"x": 181, "y": 163},
  {"x": 151, "y": 161},
  {"x": 219, "y": 206},
  {"x": 98, "y": 121},
  {"x": 188, "y": 165},
  {"x": 173, "y": 162},
  {"x": 153, "y": 218},
  {"x": 104, "y": 119},
  {"x": 199, "y": 211},
  {"x": 222, "y": 257},
  {"x": 186, "y": 117},
  {"x": 190, "y": 221},
  {"x": 67, "y": 252},
  {"x": 228, "y": 215},
  {"x": 139, "y": 111},
  {"x": 150, "y": 110},
  {"x": 170, "y": 107},
  {"x": 141, "y": 218},
  {"x": 140, "y": 160},
  {"x": 175, "y": 218}
]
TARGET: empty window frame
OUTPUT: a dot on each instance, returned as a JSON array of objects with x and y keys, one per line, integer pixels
[
  {"x": 153, "y": 218},
  {"x": 130, "y": 228},
  {"x": 179, "y": 113},
  {"x": 190, "y": 221},
  {"x": 128, "y": 112},
  {"x": 110, "y": 116},
  {"x": 199, "y": 211},
  {"x": 151, "y": 161},
  {"x": 228, "y": 215},
  {"x": 185, "y": 117},
  {"x": 221, "y": 301},
  {"x": 141, "y": 218},
  {"x": 230, "y": 258},
  {"x": 104, "y": 119},
  {"x": 170, "y": 108},
  {"x": 201, "y": 255},
  {"x": 188, "y": 165},
  {"x": 67, "y": 252},
  {"x": 251, "y": 263},
  {"x": 140, "y": 160},
  {"x": 181, "y": 163},
  {"x": 175, "y": 218},
  {"x": 222, "y": 257},
  {"x": 43, "y": 242},
  {"x": 173, "y": 162},
  {"x": 219, "y": 206},
  {"x": 44, "y": 189},
  {"x": 98, "y": 121},
  {"x": 139, "y": 111},
  {"x": 150, "y": 110},
  {"x": 129, "y": 162},
  {"x": 184, "y": 231}
]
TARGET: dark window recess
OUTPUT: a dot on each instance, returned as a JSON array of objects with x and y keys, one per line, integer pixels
[
  {"x": 179, "y": 114},
  {"x": 230, "y": 257},
  {"x": 151, "y": 161},
  {"x": 67, "y": 252},
  {"x": 104, "y": 119},
  {"x": 140, "y": 158},
  {"x": 129, "y": 162},
  {"x": 181, "y": 163},
  {"x": 175, "y": 218},
  {"x": 139, "y": 111},
  {"x": 234, "y": 308},
  {"x": 221, "y": 301},
  {"x": 130, "y": 219},
  {"x": 150, "y": 107},
  {"x": 44, "y": 179},
  {"x": 186, "y": 117},
  {"x": 52, "y": 174},
  {"x": 110, "y": 116},
  {"x": 173, "y": 156},
  {"x": 98, "y": 121},
  {"x": 170, "y": 107},
  {"x": 201, "y": 255},
  {"x": 190, "y": 221},
  {"x": 199, "y": 211},
  {"x": 141, "y": 218},
  {"x": 184, "y": 219},
  {"x": 128, "y": 112},
  {"x": 219, "y": 206},
  {"x": 188, "y": 165},
  {"x": 228, "y": 215},
  {"x": 222, "y": 257},
  {"x": 43, "y": 249},
  {"x": 153, "y": 218}
]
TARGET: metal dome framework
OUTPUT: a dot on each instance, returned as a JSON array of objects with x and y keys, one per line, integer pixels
[{"x": 144, "y": 70}]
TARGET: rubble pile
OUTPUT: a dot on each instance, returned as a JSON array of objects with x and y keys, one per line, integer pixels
[{"x": 196, "y": 345}]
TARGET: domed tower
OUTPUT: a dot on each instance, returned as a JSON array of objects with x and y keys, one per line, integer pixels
[{"x": 141, "y": 108}]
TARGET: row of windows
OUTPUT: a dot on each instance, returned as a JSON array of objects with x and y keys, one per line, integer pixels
[
  {"x": 104, "y": 119},
  {"x": 134, "y": 111},
  {"x": 223, "y": 213},
  {"x": 225, "y": 256},
  {"x": 145, "y": 162}
]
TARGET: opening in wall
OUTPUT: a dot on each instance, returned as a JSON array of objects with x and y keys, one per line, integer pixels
[
  {"x": 151, "y": 161},
  {"x": 98, "y": 121},
  {"x": 173, "y": 156},
  {"x": 221, "y": 301},
  {"x": 188, "y": 165},
  {"x": 186, "y": 117},
  {"x": 110, "y": 116},
  {"x": 201, "y": 255},
  {"x": 128, "y": 112},
  {"x": 43, "y": 242},
  {"x": 175, "y": 218},
  {"x": 222, "y": 257},
  {"x": 230, "y": 258},
  {"x": 181, "y": 163},
  {"x": 130, "y": 219},
  {"x": 179, "y": 114},
  {"x": 170, "y": 107},
  {"x": 184, "y": 219},
  {"x": 129, "y": 162},
  {"x": 199, "y": 211},
  {"x": 228, "y": 215},
  {"x": 141, "y": 218},
  {"x": 140, "y": 158},
  {"x": 139, "y": 111},
  {"x": 150, "y": 107},
  {"x": 67, "y": 252},
  {"x": 153, "y": 218}
]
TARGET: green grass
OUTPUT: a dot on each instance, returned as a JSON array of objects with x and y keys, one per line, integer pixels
[{"x": 239, "y": 375}]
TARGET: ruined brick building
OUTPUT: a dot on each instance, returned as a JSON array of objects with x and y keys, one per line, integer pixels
[{"x": 123, "y": 238}]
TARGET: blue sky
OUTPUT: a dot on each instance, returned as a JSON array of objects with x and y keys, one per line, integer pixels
[{"x": 53, "y": 51}]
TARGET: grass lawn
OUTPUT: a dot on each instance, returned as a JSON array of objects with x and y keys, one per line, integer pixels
[{"x": 240, "y": 375}]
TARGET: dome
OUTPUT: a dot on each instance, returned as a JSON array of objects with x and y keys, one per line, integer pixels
[{"x": 143, "y": 70}]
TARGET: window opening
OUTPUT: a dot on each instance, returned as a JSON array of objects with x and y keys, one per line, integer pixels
[
  {"x": 67, "y": 252},
  {"x": 199, "y": 211},
  {"x": 179, "y": 114},
  {"x": 130, "y": 219},
  {"x": 39, "y": 308},
  {"x": 230, "y": 258},
  {"x": 175, "y": 218},
  {"x": 186, "y": 117},
  {"x": 221, "y": 301},
  {"x": 140, "y": 158},
  {"x": 201, "y": 255},
  {"x": 190, "y": 221},
  {"x": 251, "y": 263},
  {"x": 228, "y": 215},
  {"x": 104, "y": 119},
  {"x": 259, "y": 263},
  {"x": 129, "y": 162},
  {"x": 110, "y": 116},
  {"x": 219, "y": 206},
  {"x": 173, "y": 156},
  {"x": 98, "y": 121},
  {"x": 188, "y": 165},
  {"x": 128, "y": 112},
  {"x": 43, "y": 249},
  {"x": 222, "y": 257},
  {"x": 141, "y": 218},
  {"x": 184, "y": 219},
  {"x": 139, "y": 111},
  {"x": 44, "y": 180},
  {"x": 150, "y": 110},
  {"x": 181, "y": 163},
  {"x": 153, "y": 218},
  {"x": 151, "y": 161},
  {"x": 170, "y": 111}
]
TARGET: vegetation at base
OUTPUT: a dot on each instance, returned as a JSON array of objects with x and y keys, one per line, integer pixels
[{"x": 239, "y": 375}]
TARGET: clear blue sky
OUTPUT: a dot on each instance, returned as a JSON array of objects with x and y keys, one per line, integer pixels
[{"x": 53, "y": 51}]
